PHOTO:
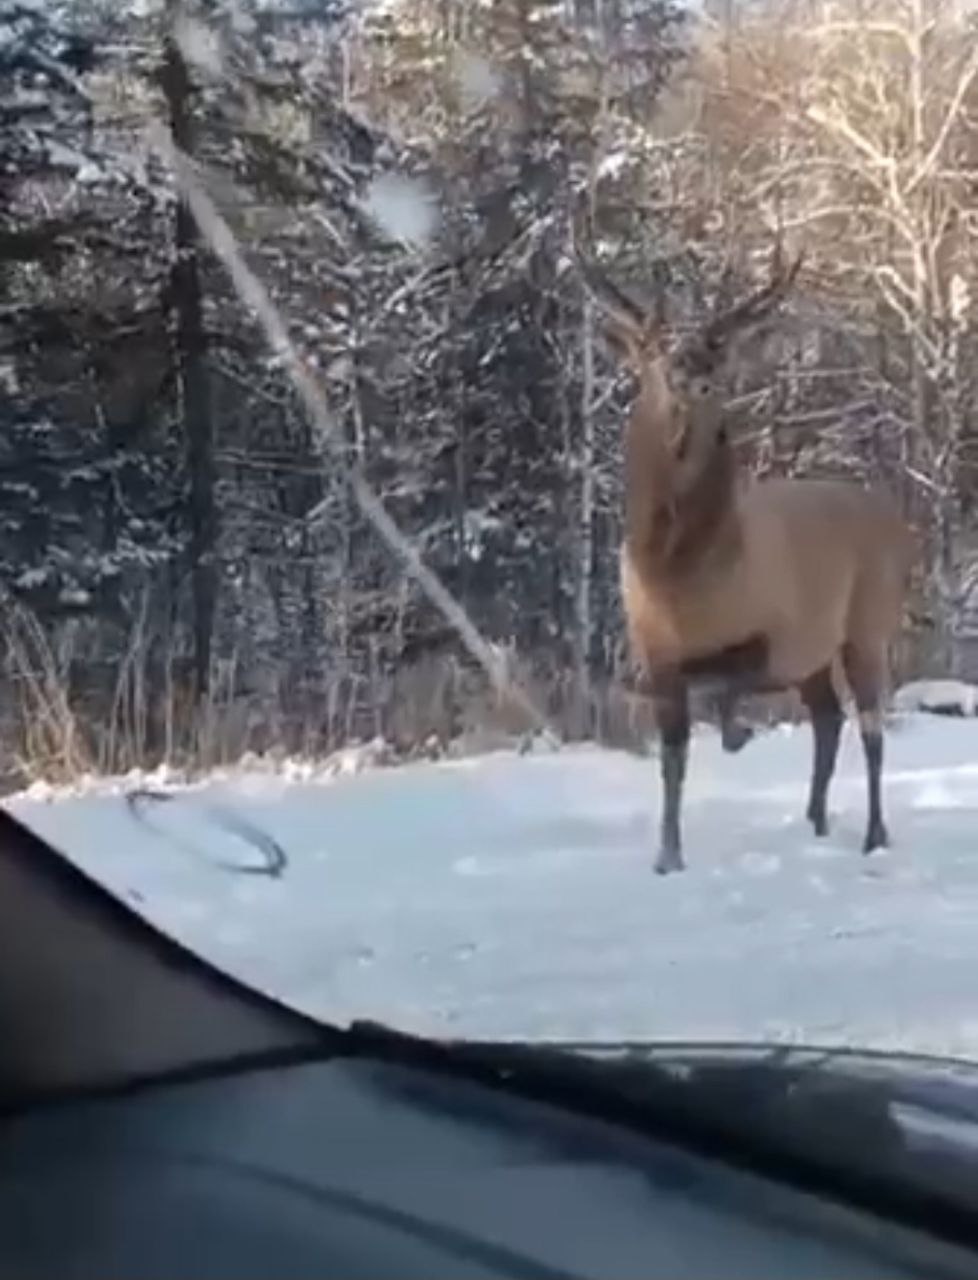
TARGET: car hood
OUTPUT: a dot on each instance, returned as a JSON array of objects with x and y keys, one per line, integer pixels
[{"x": 875, "y": 1125}]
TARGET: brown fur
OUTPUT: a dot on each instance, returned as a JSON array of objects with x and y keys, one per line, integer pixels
[{"x": 811, "y": 565}]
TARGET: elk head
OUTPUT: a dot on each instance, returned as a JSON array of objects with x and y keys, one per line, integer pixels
[{"x": 679, "y": 409}]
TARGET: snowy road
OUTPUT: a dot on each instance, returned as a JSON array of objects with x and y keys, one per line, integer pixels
[{"x": 512, "y": 896}]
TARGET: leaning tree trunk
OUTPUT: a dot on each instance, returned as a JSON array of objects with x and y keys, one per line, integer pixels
[{"x": 190, "y": 336}]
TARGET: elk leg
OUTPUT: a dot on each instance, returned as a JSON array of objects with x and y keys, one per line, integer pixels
[
  {"x": 671, "y": 701},
  {"x": 735, "y": 732},
  {"x": 865, "y": 677},
  {"x": 739, "y": 669},
  {"x": 819, "y": 696}
]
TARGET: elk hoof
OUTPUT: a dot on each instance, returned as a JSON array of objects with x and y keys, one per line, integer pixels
[
  {"x": 669, "y": 860},
  {"x": 734, "y": 736},
  {"x": 877, "y": 837},
  {"x": 820, "y": 824}
]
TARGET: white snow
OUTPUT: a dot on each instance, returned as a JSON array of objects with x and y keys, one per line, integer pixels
[
  {"x": 937, "y": 695},
  {"x": 614, "y": 164},
  {"x": 403, "y": 208},
  {"x": 513, "y": 895},
  {"x": 241, "y": 20},
  {"x": 199, "y": 45},
  {"x": 478, "y": 81},
  {"x": 77, "y": 596}
]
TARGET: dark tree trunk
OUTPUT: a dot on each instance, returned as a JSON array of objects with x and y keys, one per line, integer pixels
[{"x": 187, "y": 303}]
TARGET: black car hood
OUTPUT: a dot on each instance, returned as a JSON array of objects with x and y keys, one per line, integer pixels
[{"x": 879, "y": 1128}]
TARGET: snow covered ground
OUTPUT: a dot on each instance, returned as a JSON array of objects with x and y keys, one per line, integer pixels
[{"x": 511, "y": 896}]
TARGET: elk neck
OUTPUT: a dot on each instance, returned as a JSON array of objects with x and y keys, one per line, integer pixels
[{"x": 676, "y": 523}]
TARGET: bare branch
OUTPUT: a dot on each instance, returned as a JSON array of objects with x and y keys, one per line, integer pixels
[
  {"x": 965, "y": 82},
  {"x": 862, "y": 27},
  {"x": 835, "y": 123}
]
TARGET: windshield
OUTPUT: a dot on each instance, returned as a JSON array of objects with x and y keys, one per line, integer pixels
[{"x": 487, "y": 501}]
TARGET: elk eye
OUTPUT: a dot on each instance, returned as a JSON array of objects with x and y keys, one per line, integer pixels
[{"x": 701, "y": 388}]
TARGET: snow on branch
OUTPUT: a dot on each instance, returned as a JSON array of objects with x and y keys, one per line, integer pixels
[
  {"x": 200, "y": 46},
  {"x": 402, "y": 208},
  {"x": 254, "y": 295}
]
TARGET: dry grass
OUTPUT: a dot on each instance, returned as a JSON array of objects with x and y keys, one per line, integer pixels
[
  {"x": 58, "y": 721},
  {"x": 48, "y": 740},
  {"x": 62, "y": 716}
]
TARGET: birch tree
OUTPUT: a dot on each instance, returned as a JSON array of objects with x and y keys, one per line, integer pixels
[{"x": 873, "y": 161}]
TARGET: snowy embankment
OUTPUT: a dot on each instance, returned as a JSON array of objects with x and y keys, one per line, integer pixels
[
  {"x": 513, "y": 895},
  {"x": 943, "y": 697}
]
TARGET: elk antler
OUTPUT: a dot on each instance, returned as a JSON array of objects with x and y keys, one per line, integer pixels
[
  {"x": 610, "y": 296},
  {"x": 635, "y": 327},
  {"x": 756, "y": 305}
]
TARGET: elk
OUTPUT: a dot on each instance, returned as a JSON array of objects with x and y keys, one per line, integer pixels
[{"x": 744, "y": 585}]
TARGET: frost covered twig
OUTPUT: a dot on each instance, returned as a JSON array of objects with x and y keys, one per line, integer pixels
[{"x": 254, "y": 295}]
